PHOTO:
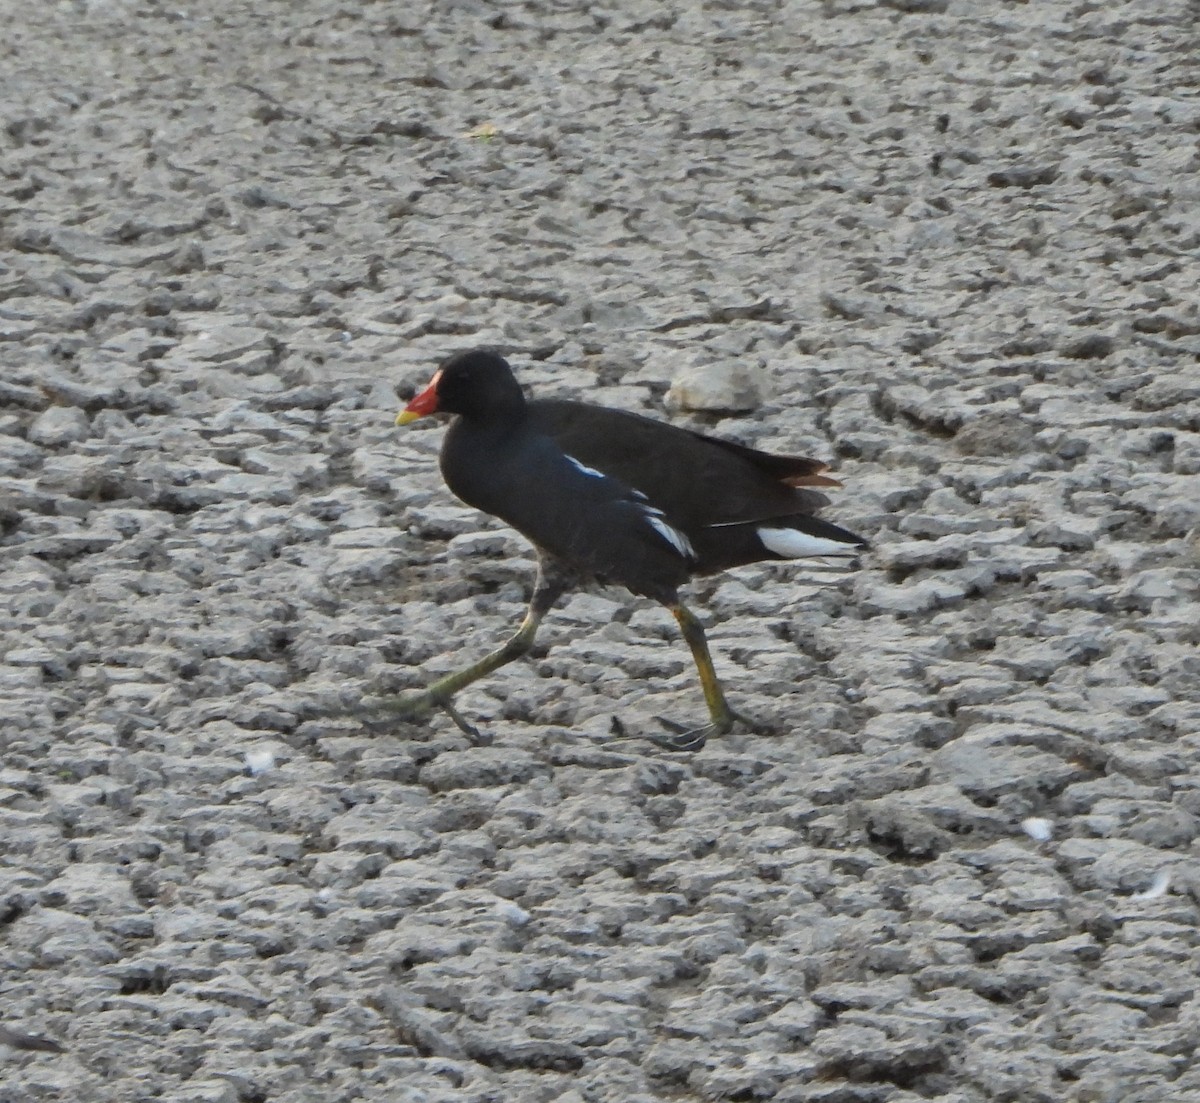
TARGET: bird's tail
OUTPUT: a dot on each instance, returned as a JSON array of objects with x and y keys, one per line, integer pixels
[{"x": 802, "y": 536}]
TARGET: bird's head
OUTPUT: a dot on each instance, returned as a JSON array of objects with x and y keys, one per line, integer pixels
[{"x": 478, "y": 384}]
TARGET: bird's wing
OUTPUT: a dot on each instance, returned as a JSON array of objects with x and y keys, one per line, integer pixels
[
  {"x": 593, "y": 520},
  {"x": 697, "y": 481}
]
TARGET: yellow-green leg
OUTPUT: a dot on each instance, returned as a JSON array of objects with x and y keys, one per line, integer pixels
[
  {"x": 721, "y": 716},
  {"x": 549, "y": 587},
  {"x": 714, "y": 696},
  {"x": 439, "y": 694}
]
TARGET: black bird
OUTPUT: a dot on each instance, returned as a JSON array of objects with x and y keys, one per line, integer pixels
[{"x": 618, "y": 497}]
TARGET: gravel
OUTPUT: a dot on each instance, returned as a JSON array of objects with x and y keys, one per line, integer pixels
[{"x": 948, "y": 246}]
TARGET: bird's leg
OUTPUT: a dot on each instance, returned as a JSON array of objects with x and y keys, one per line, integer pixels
[
  {"x": 439, "y": 693},
  {"x": 550, "y": 585},
  {"x": 721, "y": 716}
]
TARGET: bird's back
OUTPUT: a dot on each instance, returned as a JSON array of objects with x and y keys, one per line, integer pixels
[{"x": 700, "y": 480}]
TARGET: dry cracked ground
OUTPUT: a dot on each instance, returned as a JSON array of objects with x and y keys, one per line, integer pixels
[{"x": 950, "y": 245}]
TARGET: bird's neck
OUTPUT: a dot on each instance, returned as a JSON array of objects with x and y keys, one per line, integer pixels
[{"x": 496, "y": 422}]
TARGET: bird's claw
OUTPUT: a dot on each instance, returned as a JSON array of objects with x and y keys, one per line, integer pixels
[
  {"x": 682, "y": 739},
  {"x": 417, "y": 706},
  {"x": 479, "y": 738},
  {"x": 685, "y": 739}
]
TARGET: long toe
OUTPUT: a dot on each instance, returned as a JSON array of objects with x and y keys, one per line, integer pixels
[
  {"x": 479, "y": 738},
  {"x": 682, "y": 738},
  {"x": 411, "y": 706},
  {"x": 678, "y": 737},
  {"x": 417, "y": 708},
  {"x": 685, "y": 737}
]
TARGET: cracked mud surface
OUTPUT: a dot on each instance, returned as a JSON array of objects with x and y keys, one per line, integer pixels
[{"x": 954, "y": 247}]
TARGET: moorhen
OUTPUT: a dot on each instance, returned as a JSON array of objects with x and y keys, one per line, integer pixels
[{"x": 617, "y": 497}]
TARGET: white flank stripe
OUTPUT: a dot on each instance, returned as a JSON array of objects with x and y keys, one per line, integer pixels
[
  {"x": 795, "y": 545},
  {"x": 672, "y": 536},
  {"x": 584, "y": 467}
]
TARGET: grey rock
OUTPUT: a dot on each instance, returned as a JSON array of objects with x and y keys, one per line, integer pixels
[
  {"x": 441, "y": 522},
  {"x": 1021, "y": 176},
  {"x": 57, "y": 937},
  {"x": 480, "y": 767},
  {"x": 948, "y": 551},
  {"x": 370, "y": 828},
  {"x": 984, "y": 768},
  {"x": 209, "y": 1091},
  {"x": 995, "y": 433},
  {"x": 716, "y": 388},
  {"x": 1170, "y": 585},
  {"x": 59, "y": 425},
  {"x": 17, "y": 456},
  {"x": 912, "y": 598},
  {"x": 1067, "y": 537},
  {"x": 1088, "y": 346},
  {"x": 516, "y": 1051},
  {"x": 16, "y": 394},
  {"x": 16, "y": 1040},
  {"x": 918, "y": 7},
  {"x": 225, "y": 547}
]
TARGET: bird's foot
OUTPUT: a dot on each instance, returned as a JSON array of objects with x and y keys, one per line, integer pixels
[
  {"x": 418, "y": 706},
  {"x": 680, "y": 739},
  {"x": 479, "y": 738},
  {"x": 683, "y": 738}
]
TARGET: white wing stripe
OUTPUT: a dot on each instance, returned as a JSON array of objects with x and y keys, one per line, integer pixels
[
  {"x": 584, "y": 467},
  {"x": 678, "y": 540},
  {"x": 671, "y": 535}
]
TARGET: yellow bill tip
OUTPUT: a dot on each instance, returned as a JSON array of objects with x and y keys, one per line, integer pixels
[{"x": 405, "y": 417}]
